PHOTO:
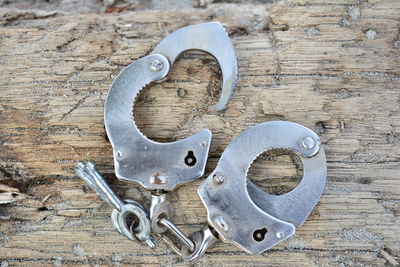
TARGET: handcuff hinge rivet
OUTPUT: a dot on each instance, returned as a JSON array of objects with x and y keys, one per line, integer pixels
[
  {"x": 280, "y": 235},
  {"x": 156, "y": 65},
  {"x": 218, "y": 179},
  {"x": 203, "y": 143},
  {"x": 220, "y": 221},
  {"x": 308, "y": 143}
]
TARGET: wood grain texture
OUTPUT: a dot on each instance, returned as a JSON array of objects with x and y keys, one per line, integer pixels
[{"x": 306, "y": 61}]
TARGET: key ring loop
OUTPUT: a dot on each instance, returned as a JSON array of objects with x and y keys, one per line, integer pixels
[
  {"x": 122, "y": 209},
  {"x": 142, "y": 231}
]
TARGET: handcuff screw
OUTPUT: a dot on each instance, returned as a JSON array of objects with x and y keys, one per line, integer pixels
[
  {"x": 222, "y": 224},
  {"x": 218, "y": 179},
  {"x": 156, "y": 65},
  {"x": 308, "y": 143},
  {"x": 280, "y": 235}
]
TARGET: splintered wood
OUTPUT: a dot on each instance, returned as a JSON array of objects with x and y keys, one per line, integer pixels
[{"x": 332, "y": 66}]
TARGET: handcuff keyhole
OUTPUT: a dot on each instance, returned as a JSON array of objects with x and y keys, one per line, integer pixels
[
  {"x": 190, "y": 159},
  {"x": 259, "y": 235}
]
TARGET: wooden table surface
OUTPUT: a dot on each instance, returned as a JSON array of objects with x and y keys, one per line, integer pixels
[{"x": 333, "y": 66}]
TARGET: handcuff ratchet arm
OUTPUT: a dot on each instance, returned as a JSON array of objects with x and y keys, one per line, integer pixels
[
  {"x": 245, "y": 215},
  {"x": 164, "y": 166}
]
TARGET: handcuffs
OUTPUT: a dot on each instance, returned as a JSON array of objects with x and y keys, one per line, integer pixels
[{"x": 238, "y": 212}]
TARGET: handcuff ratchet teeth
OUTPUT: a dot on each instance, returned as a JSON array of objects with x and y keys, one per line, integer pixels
[
  {"x": 164, "y": 166},
  {"x": 161, "y": 167},
  {"x": 238, "y": 212},
  {"x": 158, "y": 167}
]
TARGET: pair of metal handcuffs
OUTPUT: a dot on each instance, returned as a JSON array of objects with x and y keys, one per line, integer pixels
[{"x": 238, "y": 211}]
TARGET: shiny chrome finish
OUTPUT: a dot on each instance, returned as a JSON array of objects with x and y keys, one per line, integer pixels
[
  {"x": 202, "y": 239},
  {"x": 102, "y": 186},
  {"x": 160, "y": 208},
  {"x": 160, "y": 216},
  {"x": 178, "y": 233},
  {"x": 211, "y": 38},
  {"x": 159, "y": 167},
  {"x": 252, "y": 219},
  {"x": 122, "y": 209},
  {"x": 164, "y": 166},
  {"x": 238, "y": 212},
  {"x": 140, "y": 233}
]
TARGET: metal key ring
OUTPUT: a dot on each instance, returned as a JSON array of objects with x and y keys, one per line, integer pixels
[
  {"x": 119, "y": 219},
  {"x": 122, "y": 208},
  {"x": 159, "y": 167}
]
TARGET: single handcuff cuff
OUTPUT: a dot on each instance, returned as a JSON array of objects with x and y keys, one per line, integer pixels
[{"x": 238, "y": 211}]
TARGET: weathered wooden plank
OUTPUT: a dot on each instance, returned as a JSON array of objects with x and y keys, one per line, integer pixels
[{"x": 310, "y": 62}]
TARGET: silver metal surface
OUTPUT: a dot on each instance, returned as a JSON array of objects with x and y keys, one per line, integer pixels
[
  {"x": 178, "y": 233},
  {"x": 122, "y": 209},
  {"x": 211, "y": 38},
  {"x": 254, "y": 220},
  {"x": 103, "y": 187},
  {"x": 218, "y": 179},
  {"x": 308, "y": 142},
  {"x": 164, "y": 165},
  {"x": 222, "y": 224},
  {"x": 142, "y": 232},
  {"x": 159, "y": 208},
  {"x": 154, "y": 165},
  {"x": 202, "y": 239}
]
